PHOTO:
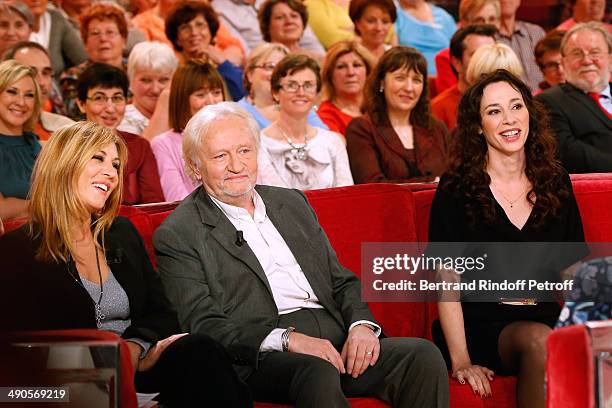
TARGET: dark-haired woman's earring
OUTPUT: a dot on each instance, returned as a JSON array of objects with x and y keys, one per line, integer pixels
[
  {"x": 276, "y": 105},
  {"x": 381, "y": 89}
]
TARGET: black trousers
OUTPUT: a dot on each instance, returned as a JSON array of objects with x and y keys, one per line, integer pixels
[
  {"x": 195, "y": 371},
  {"x": 410, "y": 372}
]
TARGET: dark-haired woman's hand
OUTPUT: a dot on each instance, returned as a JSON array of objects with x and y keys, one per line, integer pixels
[{"x": 477, "y": 376}]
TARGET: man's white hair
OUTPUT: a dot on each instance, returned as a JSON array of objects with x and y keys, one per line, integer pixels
[{"x": 197, "y": 129}]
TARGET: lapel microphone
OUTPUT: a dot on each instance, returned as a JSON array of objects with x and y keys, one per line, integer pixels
[{"x": 240, "y": 238}]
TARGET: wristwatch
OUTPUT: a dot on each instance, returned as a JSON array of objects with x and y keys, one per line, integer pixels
[{"x": 285, "y": 338}]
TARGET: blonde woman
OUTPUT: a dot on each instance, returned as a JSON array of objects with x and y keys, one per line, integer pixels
[
  {"x": 490, "y": 58},
  {"x": 347, "y": 65},
  {"x": 258, "y": 100},
  {"x": 19, "y": 147},
  {"x": 83, "y": 267}
]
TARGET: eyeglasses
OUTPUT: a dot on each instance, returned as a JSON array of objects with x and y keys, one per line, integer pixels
[
  {"x": 99, "y": 33},
  {"x": 267, "y": 66},
  {"x": 550, "y": 66},
  {"x": 101, "y": 99},
  {"x": 293, "y": 87},
  {"x": 579, "y": 55},
  {"x": 193, "y": 26}
]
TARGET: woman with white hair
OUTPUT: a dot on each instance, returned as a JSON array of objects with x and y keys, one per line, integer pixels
[{"x": 150, "y": 69}]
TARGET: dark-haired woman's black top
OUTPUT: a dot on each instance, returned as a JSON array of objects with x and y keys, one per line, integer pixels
[{"x": 484, "y": 322}]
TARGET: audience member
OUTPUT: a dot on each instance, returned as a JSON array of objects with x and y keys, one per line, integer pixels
[
  {"x": 490, "y": 58},
  {"x": 16, "y": 23},
  {"x": 294, "y": 154},
  {"x": 522, "y": 37},
  {"x": 90, "y": 269},
  {"x": 54, "y": 32},
  {"x": 102, "y": 95},
  {"x": 397, "y": 140},
  {"x": 140, "y": 6},
  {"x": 277, "y": 297},
  {"x": 470, "y": 12},
  {"x": 284, "y": 22},
  {"x": 150, "y": 69},
  {"x": 504, "y": 185},
  {"x": 583, "y": 11},
  {"x": 35, "y": 56},
  {"x": 191, "y": 27},
  {"x": 330, "y": 21},
  {"x": 464, "y": 44},
  {"x": 581, "y": 108},
  {"x": 374, "y": 21},
  {"x": 104, "y": 31},
  {"x": 347, "y": 65},
  {"x": 424, "y": 26},
  {"x": 240, "y": 17},
  {"x": 548, "y": 56},
  {"x": 258, "y": 101},
  {"x": 19, "y": 147},
  {"x": 152, "y": 23},
  {"x": 194, "y": 85}
]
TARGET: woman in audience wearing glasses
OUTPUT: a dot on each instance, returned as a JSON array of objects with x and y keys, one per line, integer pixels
[
  {"x": 194, "y": 85},
  {"x": 102, "y": 96},
  {"x": 548, "y": 57},
  {"x": 346, "y": 67},
  {"x": 150, "y": 69},
  {"x": 104, "y": 31},
  {"x": 83, "y": 267},
  {"x": 258, "y": 101},
  {"x": 19, "y": 147},
  {"x": 397, "y": 140},
  {"x": 294, "y": 154},
  {"x": 191, "y": 27},
  {"x": 504, "y": 184}
]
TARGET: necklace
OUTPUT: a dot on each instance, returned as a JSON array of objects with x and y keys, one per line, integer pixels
[
  {"x": 511, "y": 202},
  {"x": 300, "y": 150},
  {"x": 97, "y": 305}
]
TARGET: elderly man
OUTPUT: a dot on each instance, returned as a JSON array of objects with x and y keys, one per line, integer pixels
[
  {"x": 581, "y": 109},
  {"x": 252, "y": 268}
]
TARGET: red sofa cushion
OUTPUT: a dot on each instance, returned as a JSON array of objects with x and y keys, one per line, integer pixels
[{"x": 569, "y": 369}]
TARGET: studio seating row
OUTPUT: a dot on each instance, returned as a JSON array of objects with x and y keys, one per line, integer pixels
[{"x": 400, "y": 213}]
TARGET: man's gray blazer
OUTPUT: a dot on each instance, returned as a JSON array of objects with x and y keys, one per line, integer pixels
[{"x": 220, "y": 289}]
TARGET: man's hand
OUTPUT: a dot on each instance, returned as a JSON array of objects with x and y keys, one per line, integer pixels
[
  {"x": 154, "y": 352},
  {"x": 360, "y": 350},
  {"x": 322, "y": 348}
]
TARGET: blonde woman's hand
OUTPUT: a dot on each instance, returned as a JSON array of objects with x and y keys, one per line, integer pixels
[{"x": 156, "y": 351}]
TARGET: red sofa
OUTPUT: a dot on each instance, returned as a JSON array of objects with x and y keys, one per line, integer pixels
[{"x": 400, "y": 213}]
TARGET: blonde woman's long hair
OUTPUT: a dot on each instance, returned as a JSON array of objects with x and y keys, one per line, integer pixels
[
  {"x": 12, "y": 71},
  {"x": 55, "y": 205}
]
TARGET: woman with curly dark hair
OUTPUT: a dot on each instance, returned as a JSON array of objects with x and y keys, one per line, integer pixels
[
  {"x": 397, "y": 140},
  {"x": 504, "y": 184}
]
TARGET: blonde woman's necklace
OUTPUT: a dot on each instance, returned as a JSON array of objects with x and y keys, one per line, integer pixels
[
  {"x": 300, "y": 150},
  {"x": 97, "y": 305}
]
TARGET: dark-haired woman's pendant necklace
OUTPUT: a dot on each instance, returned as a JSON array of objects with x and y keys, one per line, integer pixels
[
  {"x": 511, "y": 202},
  {"x": 300, "y": 150}
]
